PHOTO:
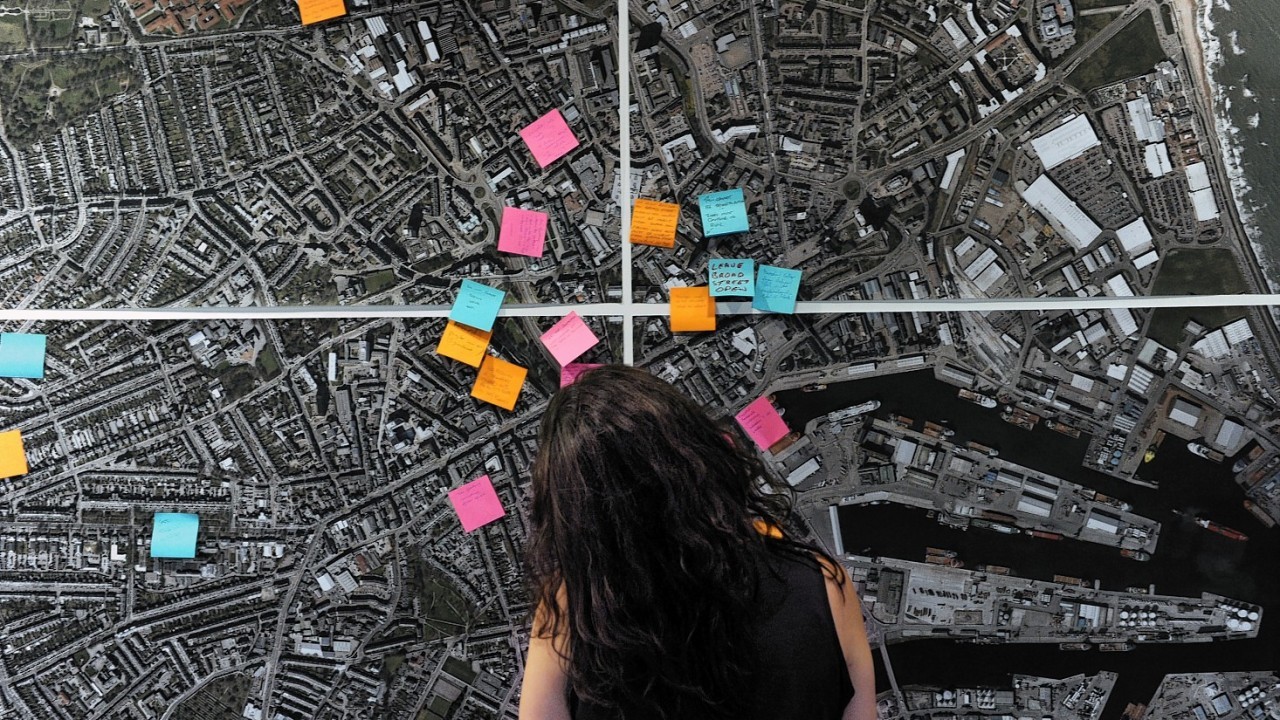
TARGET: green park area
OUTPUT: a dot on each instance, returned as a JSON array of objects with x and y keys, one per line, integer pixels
[
  {"x": 52, "y": 93},
  {"x": 1195, "y": 272},
  {"x": 13, "y": 33},
  {"x": 1133, "y": 51}
]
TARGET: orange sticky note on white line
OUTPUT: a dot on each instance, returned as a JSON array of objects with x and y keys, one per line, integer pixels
[
  {"x": 314, "y": 11},
  {"x": 13, "y": 457},
  {"x": 463, "y": 343},
  {"x": 499, "y": 382},
  {"x": 692, "y": 309},
  {"x": 654, "y": 223}
]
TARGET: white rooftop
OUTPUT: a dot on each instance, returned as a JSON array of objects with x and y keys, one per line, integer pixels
[
  {"x": 1135, "y": 237},
  {"x": 1062, "y": 212},
  {"x": 1065, "y": 142}
]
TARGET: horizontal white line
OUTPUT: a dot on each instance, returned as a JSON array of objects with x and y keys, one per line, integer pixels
[{"x": 822, "y": 307}]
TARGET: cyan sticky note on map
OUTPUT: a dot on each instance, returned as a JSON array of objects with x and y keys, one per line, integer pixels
[
  {"x": 173, "y": 535},
  {"x": 477, "y": 305},
  {"x": 776, "y": 289},
  {"x": 723, "y": 212},
  {"x": 22, "y": 355}
]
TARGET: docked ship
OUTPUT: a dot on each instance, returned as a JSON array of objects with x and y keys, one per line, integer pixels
[
  {"x": 1078, "y": 646},
  {"x": 1205, "y": 452},
  {"x": 990, "y": 452},
  {"x": 1140, "y": 555},
  {"x": 1044, "y": 535},
  {"x": 1223, "y": 530},
  {"x": 934, "y": 430},
  {"x": 998, "y": 527},
  {"x": 994, "y": 569},
  {"x": 985, "y": 401},
  {"x": 1116, "y": 647},
  {"x": 1063, "y": 428},
  {"x": 853, "y": 412},
  {"x": 940, "y": 551},
  {"x": 1259, "y": 513},
  {"x": 1149, "y": 455},
  {"x": 1021, "y": 418},
  {"x": 813, "y": 387},
  {"x": 944, "y": 561}
]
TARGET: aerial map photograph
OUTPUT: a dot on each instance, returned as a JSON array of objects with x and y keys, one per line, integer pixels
[{"x": 300, "y": 279}]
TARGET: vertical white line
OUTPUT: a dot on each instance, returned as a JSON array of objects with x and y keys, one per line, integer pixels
[{"x": 624, "y": 168}]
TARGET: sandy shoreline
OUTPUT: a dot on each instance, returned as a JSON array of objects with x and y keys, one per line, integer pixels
[{"x": 1184, "y": 12}]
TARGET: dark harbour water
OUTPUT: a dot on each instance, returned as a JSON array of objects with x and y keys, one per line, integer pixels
[{"x": 1188, "y": 559}]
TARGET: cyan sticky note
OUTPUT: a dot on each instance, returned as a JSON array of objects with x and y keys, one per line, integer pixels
[
  {"x": 776, "y": 289},
  {"x": 731, "y": 278},
  {"x": 173, "y": 535},
  {"x": 22, "y": 355},
  {"x": 477, "y": 305},
  {"x": 723, "y": 212}
]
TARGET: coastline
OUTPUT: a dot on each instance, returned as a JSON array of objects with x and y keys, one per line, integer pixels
[{"x": 1203, "y": 49}]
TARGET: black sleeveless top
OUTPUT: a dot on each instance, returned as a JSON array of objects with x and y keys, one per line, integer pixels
[{"x": 800, "y": 667}]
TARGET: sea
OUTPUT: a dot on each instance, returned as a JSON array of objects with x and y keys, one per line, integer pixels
[
  {"x": 1188, "y": 559},
  {"x": 1240, "y": 38}
]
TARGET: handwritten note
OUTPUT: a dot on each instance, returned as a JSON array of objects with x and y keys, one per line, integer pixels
[
  {"x": 654, "y": 223},
  {"x": 732, "y": 278},
  {"x": 13, "y": 457},
  {"x": 762, "y": 423},
  {"x": 549, "y": 138},
  {"x": 571, "y": 372},
  {"x": 22, "y": 355},
  {"x": 477, "y": 305},
  {"x": 523, "y": 232},
  {"x": 314, "y": 11},
  {"x": 776, "y": 289},
  {"x": 499, "y": 382},
  {"x": 723, "y": 212},
  {"x": 569, "y": 338},
  {"x": 173, "y": 535},
  {"x": 476, "y": 503},
  {"x": 464, "y": 344},
  {"x": 692, "y": 309}
]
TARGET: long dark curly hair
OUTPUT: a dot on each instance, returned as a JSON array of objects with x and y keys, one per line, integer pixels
[{"x": 645, "y": 547}]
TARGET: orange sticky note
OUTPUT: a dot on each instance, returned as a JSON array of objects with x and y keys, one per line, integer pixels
[
  {"x": 692, "y": 309},
  {"x": 654, "y": 223},
  {"x": 463, "y": 343},
  {"x": 499, "y": 382},
  {"x": 13, "y": 458},
  {"x": 314, "y": 11}
]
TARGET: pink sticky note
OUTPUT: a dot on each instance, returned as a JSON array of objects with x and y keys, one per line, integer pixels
[
  {"x": 523, "y": 232},
  {"x": 569, "y": 338},
  {"x": 476, "y": 503},
  {"x": 549, "y": 138},
  {"x": 762, "y": 423},
  {"x": 569, "y": 373}
]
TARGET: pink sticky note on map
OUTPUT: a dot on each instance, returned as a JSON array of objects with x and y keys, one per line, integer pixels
[
  {"x": 523, "y": 232},
  {"x": 762, "y": 423},
  {"x": 476, "y": 503},
  {"x": 569, "y": 338},
  {"x": 549, "y": 138},
  {"x": 569, "y": 373}
]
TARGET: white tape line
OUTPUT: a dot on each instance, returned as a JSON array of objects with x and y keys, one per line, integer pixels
[
  {"x": 633, "y": 310},
  {"x": 623, "y": 52}
]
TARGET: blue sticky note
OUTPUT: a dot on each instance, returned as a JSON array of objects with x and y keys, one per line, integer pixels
[
  {"x": 723, "y": 212},
  {"x": 731, "y": 278},
  {"x": 21, "y": 355},
  {"x": 477, "y": 305},
  {"x": 173, "y": 535},
  {"x": 776, "y": 289}
]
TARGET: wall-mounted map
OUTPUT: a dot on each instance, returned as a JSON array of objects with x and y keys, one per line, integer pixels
[{"x": 1052, "y": 512}]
